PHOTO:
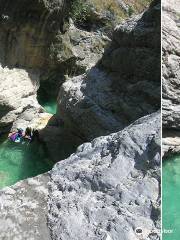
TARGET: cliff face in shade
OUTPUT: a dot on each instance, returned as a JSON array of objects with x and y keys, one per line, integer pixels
[
  {"x": 37, "y": 35},
  {"x": 123, "y": 86},
  {"x": 171, "y": 76},
  {"x": 35, "y": 48},
  {"x": 27, "y": 29}
]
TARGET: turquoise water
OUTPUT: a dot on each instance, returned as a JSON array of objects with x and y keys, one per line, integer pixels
[
  {"x": 49, "y": 103},
  {"x": 171, "y": 198},
  {"x": 19, "y": 161},
  {"x": 50, "y": 106}
]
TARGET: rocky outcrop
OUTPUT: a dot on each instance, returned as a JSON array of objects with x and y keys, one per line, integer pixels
[
  {"x": 23, "y": 210},
  {"x": 171, "y": 75},
  {"x": 18, "y": 94},
  {"x": 104, "y": 15},
  {"x": 109, "y": 187},
  {"x": 39, "y": 47},
  {"x": 123, "y": 86},
  {"x": 40, "y": 37},
  {"x": 26, "y": 35},
  {"x": 171, "y": 61},
  {"x": 78, "y": 48},
  {"x": 106, "y": 190},
  {"x": 19, "y": 107}
]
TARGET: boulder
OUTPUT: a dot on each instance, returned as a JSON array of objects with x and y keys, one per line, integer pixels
[
  {"x": 18, "y": 95},
  {"x": 19, "y": 107},
  {"x": 109, "y": 187}
]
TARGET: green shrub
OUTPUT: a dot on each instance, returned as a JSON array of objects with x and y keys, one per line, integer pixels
[
  {"x": 130, "y": 11},
  {"x": 80, "y": 11}
]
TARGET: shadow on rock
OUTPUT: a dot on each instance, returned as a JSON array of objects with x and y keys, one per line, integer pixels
[
  {"x": 123, "y": 86},
  {"x": 60, "y": 141}
]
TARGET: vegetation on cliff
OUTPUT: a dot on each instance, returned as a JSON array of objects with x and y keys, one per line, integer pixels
[{"x": 105, "y": 12}]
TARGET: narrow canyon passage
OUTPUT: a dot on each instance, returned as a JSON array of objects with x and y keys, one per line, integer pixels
[
  {"x": 171, "y": 196},
  {"x": 49, "y": 103},
  {"x": 87, "y": 78},
  {"x": 20, "y": 161}
]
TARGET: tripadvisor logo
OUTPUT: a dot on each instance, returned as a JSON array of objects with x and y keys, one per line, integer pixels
[
  {"x": 139, "y": 231},
  {"x": 142, "y": 233}
]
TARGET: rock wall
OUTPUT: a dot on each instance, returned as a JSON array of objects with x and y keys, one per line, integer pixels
[
  {"x": 171, "y": 75},
  {"x": 123, "y": 86},
  {"x": 37, "y": 35},
  {"x": 27, "y": 32}
]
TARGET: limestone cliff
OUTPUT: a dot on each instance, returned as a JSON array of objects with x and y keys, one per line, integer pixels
[
  {"x": 123, "y": 86},
  {"x": 37, "y": 50},
  {"x": 171, "y": 75},
  {"x": 27, "y": 32}
]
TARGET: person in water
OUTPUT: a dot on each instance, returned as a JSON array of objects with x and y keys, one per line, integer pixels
[
  {"x": 31, "y": 134},
  {"x": 28, "y": 134},
  {"x": 20, "y": 135},
  {"x": 16, "y": 136}
]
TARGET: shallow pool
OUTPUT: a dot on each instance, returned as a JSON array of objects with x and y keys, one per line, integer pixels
[
  {"x": 171, "y": 198},
  {"x": 19, "y": 161},
  {"x": 49, "y": 103},
  {"x": 50, "y": 106}
]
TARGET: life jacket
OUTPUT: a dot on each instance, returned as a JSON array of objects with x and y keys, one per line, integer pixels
[{"x": 15, "y": 137}]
